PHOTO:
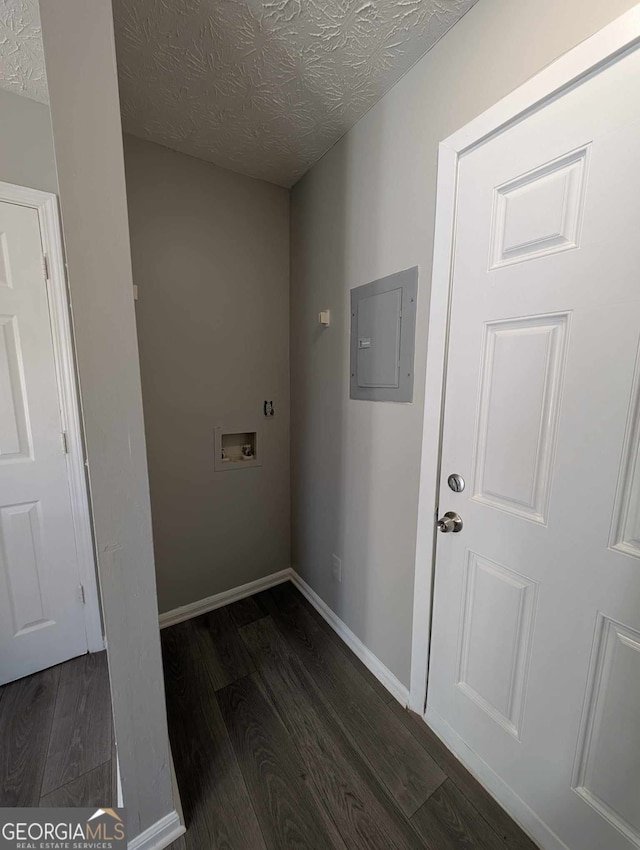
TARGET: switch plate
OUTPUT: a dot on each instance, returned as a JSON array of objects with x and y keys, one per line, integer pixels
[{"x": 337, "y": 568}]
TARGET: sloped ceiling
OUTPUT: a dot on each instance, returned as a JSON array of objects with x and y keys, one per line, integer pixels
[{"x": 263, "y": 87}]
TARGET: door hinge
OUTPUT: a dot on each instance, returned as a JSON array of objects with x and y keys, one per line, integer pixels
[
  {"x": 65, "y": 443},
  {"x": 81, "y": 595},
  {"x": 45, "y": 266}
]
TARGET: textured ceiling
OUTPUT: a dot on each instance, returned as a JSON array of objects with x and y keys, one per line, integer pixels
[
  {"x": 263, "y": 87},
  {"x": 21, "y": 57}
]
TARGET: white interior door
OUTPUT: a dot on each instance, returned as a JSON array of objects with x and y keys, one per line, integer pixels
[
  {"x": 41, "y": 611},
  {"x": 535, "y": 659}
]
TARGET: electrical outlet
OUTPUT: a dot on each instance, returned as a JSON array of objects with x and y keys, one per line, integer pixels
[{"x": 337, "y": 568}]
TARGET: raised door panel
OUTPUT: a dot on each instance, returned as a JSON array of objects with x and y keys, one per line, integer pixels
[
  {"x": 608, "y": 759},
  {"x": 625, "y": 528},
  {"x": 5, "y": 267},
  {"x": 14, "y": 443},
  {"x": 21, "y": 560},
  {"x": 539, "y": 213},
  {"x": 495, "y": 639},
  {"x": 520, "y": 393}
]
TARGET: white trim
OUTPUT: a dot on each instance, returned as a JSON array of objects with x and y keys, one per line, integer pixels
[
  {"x": 430, "y": 457},
  {"x": 119, "y": 794},
  {"x": 210, "y": 603},
  {"x": 46, "y": 205},
  {"x": 164, "y": 831},
  {"x": 160, "y": 834},
  {"x": 572, "y": 69},
  {"x": 527, "y": 819},
  {"x": 177, "y": 802},
  {"x": 371, "y": 661}
]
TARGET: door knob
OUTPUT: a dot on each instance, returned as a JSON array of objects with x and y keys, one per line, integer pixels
[{"x": 451, "y": 521}]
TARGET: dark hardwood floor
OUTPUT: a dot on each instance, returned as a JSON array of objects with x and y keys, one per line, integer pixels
[
  {"x": 281, "y": 738},
  {"x": 56, "y": 737}
]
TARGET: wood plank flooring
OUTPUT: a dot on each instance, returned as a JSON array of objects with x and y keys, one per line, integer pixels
[
  {"x": 282, "y": 739},
  {"x": 56, "y": 741}
]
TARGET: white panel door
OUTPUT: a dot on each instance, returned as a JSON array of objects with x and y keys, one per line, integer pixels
[
  {"x": 535, "y": 654},
  {"x": 41, "y": 612}
]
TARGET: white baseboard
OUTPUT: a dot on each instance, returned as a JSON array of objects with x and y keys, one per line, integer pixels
[
  {"x": 119, "y": 795},
  {"x": 371, "y": 661},
  {"x": 159, "y": 835},
  {"x": 515, "y": 806},
  {"x": 194, "y": 609},
  {"x": 177, "y": 802}
]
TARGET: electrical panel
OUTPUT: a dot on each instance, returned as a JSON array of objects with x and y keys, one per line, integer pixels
[{"x": 383, "y": 323}]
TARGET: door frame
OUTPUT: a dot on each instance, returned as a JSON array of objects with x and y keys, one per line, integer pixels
[
  {"x": 606, "y": 47},
  {"x": 46, "y": 205}
]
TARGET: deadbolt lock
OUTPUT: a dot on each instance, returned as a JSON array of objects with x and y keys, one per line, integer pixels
[
  {"x": 456, "y": 482},
  {"x": 450, "y": 522}
]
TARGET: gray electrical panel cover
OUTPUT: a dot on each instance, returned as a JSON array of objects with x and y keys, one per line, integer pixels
[{"x": 383, "y": 327}]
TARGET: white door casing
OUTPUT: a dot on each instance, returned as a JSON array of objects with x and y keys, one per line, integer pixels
[
  {"x": 535, "y": 653},
  {"x": 46, "y": 557}
]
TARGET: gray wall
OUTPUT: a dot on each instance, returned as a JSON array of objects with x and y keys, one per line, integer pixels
[
  {"x": 210, "y": 252},
  {"x": 83, "y": 87},
  {"x": 367, "y": 210},
  {"x": 26, "y": 143}
]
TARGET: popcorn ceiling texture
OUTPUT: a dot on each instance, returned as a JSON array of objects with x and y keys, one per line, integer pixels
[
  {"x": 21, "y": 57},
  {"x": 263, "y": 87}
]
